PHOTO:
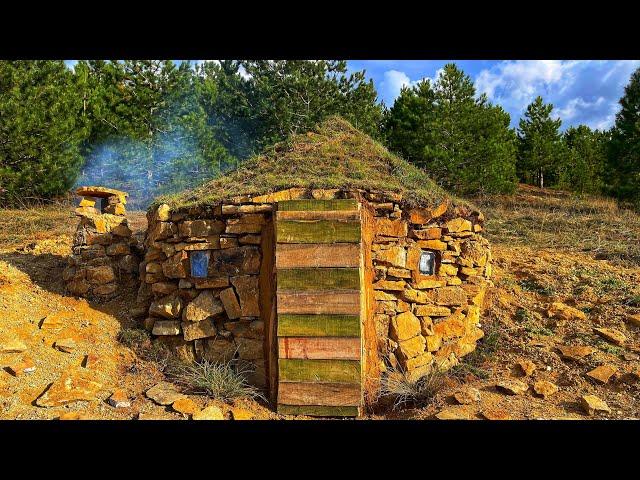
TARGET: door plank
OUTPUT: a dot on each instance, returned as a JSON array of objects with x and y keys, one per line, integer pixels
[
  {"x": 318, "y": 205},
  {"x": 292, "y": 255},
  {"x": 302, "y": 279},
  {"x": 330, "y": 394},
  {"x": 317, "y": 231},
  {"x": 319, "y": 348},
  {"x": 344, "y": 302},
  {"x": 296, "y": 325},
  {"x": 318, "y": 410},
  {"x": 328, "y": 371}
]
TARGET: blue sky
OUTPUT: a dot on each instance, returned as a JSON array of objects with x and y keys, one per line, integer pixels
[{"x": 582, "y": 91}]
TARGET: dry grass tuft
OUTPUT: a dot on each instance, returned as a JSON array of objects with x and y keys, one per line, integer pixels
[
  {"x": 404, "y": 391},
  {"x": 562, "y": 221},
  {"x": 223, "y": 381},
  {"x": 36, "y": 221}
]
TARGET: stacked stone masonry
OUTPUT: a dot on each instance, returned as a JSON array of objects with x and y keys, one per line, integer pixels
[
  {"x": 212, "y": 314},
  {"x": 421, "y": 321},
  {"x": 105, "y": 255},
  {"x": 427, "y": 321}
]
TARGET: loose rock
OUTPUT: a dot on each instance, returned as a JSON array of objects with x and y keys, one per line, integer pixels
[
  {"x": 163, "y": 393},
  {"x": 66, "y": 345},
  {"x": 544, "y": 388},
  {"x": 467, "y": 396},
  {"x": 592, "y": 405},
  {"x": 527, "y": 366},
  {"x": 209, "y": 413},
  {"x": 611, "y": 335},
  {"x": 72, "y": 386},
  {"x": 13, "y": 346},
  {"x": 512, "y": 387},
  {"x": 603, "y": 373},
  {"x": 185, "y": 406},
  {"x": 119, "y": 399},
  {"x": 575, "y": 352},
  {"x": 452, "y": 414}
]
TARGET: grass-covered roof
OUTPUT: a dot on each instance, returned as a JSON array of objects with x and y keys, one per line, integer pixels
[{"x": 333, "y": 155}]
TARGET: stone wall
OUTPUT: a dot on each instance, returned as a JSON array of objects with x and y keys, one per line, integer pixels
[
  {"x": 217, "y": 316},
  {"x": 424, "y": 321},
  {"x": 420, "y": 320},
  {"x": 105, "y": 255}
]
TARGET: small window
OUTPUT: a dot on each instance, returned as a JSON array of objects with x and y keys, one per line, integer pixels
[
  {"x": 199, "y": 263},
  {"x": 427, "y": 263}
]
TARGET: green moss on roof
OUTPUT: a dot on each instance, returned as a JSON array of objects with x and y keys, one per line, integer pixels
[{"x": 333, "y": 155}]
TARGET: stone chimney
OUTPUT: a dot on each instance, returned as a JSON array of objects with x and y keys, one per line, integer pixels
[{"x": 105, "y": 254}]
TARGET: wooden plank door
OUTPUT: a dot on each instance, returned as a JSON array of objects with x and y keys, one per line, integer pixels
[{"x": 318, "y": 276}]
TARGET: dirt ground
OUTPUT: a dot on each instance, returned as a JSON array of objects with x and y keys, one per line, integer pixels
[{"x": 546, "y": 246}]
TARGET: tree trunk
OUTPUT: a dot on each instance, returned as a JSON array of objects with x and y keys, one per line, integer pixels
[{"x": 541, "y": 178}]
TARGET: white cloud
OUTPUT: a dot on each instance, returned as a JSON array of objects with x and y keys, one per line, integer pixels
[
  {"x": 578, "y": 105},
  {"x": 515, "y": 83},
  {"x": 392, "y": 83}
]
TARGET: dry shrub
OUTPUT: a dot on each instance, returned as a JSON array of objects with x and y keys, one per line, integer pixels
[
  {"x": 404, "y": 391},
  {"x": 36, "y": 220},
  {"x": 223, "y": 381}
]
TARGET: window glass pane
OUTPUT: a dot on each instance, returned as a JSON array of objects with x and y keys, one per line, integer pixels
[
  {"x": 427, "y": 263},
  {"x": 199, "y": 263}
]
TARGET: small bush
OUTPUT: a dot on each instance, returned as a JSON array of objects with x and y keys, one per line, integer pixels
[
  {"x": 531, "y": 285},
  {"x": 134, "y": 338},
  {"x": 397, "y": 385},
  {"x": 222, "y": 381}
]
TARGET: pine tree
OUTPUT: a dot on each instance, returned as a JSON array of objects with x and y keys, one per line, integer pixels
[
  {"x": 463, "y": 141},
  {"x": 540, "y": 147},
  {"x": 40, "y": 129},
  {"x": 276, "y": 98},
  {"x": 586, "y": 161},
  {"x": 624, "y": 155}
]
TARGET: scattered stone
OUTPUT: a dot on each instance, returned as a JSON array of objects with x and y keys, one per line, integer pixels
[
  {"x": 452, "y": 414},
  {"x": 72, "y": 386},
  {"x": 185, "y": 406},
  {"x": 163, "y": 393},
  {"x": 527, "y": 366},
  {"x": 633, "y": 319},
  {"x": 119, "y": 399},
  {"x": 495, "y": 414},
  {"x": 239, "y": 413},
  {"x": 25, "y": 365},
  {"x": 52, "y": 322},
  {"x": 603, "y": 373},
  {"x": 544, "y": 388},
  {"x": 467, "y": 396},
  {"x": 575, "y": 352},
  {"x": 209, "y": 413},
  {"x": 91, "y": 360},
  {"x": 592, "y": 405},
  {"x": 73, "y": 416},
  {"x": 565, "y": 312},
  {"x": 13, "y": 346},
  {"x": 512, "y": 387},
  {"x": 630, "y": 357},
  {"x": 66, "y": 345},
  {"x": 611, "y": 335}
]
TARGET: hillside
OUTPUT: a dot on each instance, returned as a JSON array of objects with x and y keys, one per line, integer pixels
[{"x": 548, "y": 248}]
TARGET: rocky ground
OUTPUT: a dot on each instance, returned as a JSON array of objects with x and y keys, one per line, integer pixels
[{"x": 562, "y": 334}]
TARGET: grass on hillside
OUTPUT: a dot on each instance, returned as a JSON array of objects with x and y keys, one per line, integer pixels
[
  {"x": 560, "y": 220},
  {"x": 334, "y": 155},
  {"x": 35, "y": 221}
]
